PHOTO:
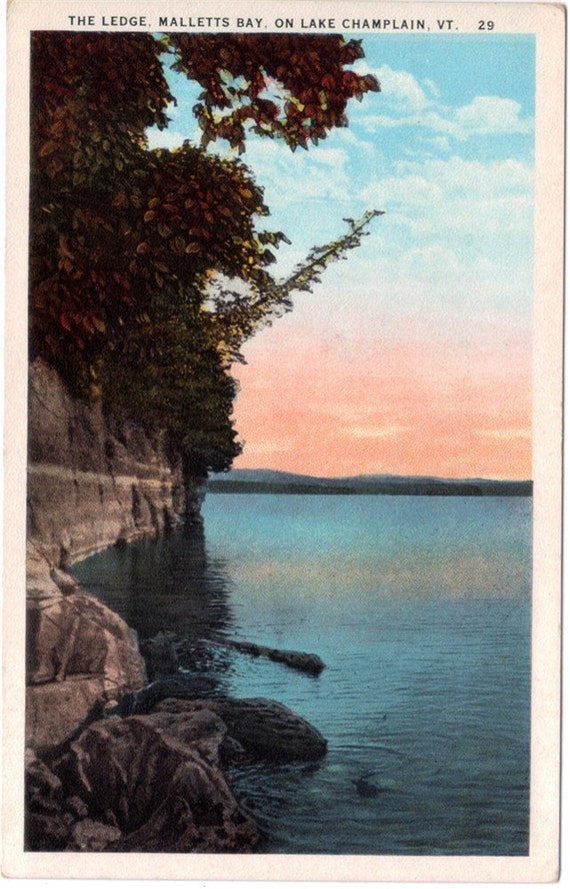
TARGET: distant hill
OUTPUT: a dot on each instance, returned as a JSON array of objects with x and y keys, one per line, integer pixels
[{"x": 270, "y": 481}]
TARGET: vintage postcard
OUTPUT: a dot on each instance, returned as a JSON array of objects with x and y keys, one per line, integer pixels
[{"x": 282, "y": 584}]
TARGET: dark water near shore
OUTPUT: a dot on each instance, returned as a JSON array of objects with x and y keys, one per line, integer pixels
[{"x": 419, "y": 606}]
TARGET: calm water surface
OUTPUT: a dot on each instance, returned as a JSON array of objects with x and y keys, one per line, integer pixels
[{"x": 420, "y": 608}]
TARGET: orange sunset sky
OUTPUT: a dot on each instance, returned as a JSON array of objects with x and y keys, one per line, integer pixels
[{"x": 413, "y": 405}]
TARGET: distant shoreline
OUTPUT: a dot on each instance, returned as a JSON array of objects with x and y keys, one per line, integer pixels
[{"x": 285, "y": 483}]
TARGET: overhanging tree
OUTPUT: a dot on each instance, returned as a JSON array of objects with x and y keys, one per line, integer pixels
[{"x": 149, "y": 269}]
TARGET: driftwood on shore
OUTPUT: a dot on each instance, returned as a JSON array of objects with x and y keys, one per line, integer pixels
[{"x": 298, "y": 660}]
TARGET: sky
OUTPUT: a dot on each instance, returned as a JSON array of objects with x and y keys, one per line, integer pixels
[{"x": 413, "y": 356}]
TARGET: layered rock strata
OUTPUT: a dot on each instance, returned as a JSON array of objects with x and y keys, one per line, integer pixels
[{"x": 94, "y": 480}]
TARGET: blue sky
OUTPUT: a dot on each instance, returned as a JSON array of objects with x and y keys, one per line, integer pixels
[
  {"x": 446, "y": 149},
  {"x": 450, "y": 136}
]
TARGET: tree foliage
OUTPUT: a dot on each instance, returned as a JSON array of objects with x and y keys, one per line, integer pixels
[
  {"x": 292, "y": 87},
  {"x": 126, "y": 243}
]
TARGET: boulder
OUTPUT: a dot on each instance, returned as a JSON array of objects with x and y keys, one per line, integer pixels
[
  {"x": 78, "y": 635},
  {"x": 265, "y": 729},
  {"x": 93, "y": 836},
  {"x": 160, "y": 654},
  {"x": 154, "y": 782},
  {"x": 79, "y": 652},
  {"x": 46, "y": 827},
  {"x": 146, "y": 783},
  {"x": 55, "y": 709}
]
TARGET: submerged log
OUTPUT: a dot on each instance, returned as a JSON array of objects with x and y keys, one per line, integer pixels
[{"x": 298, "y": 660}]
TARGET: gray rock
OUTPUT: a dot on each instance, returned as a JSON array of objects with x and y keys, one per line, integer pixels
[
  {"x": 93, "y": 479},
  {"x": 265, "y": 729},
  {"x": 160, "y": 654},
  {"x": 79, "y": 653},
  {"x": 153, "y": 783},
  {"x": 55, "y": 709},
  {"x": 93, "y": 836},
  {"x": 77, "y": 635}
]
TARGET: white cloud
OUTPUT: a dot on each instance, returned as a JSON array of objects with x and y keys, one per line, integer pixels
[
  {"x": 459, "y": 229},
  {"x": 431, "y": 86},
  {"x": 474, "y": 177},
  {"x": 437, "y": 143},
  {"x": 400, "y": 89},
  {"x": 165, "y": 138},
  {"x": 409, "y": 190},
  {"x": 505, "y": 434},
  {"x": 485, "y": 116},
  {"x": 409, "y": 103},
  {"x": 289, "y": 176},
  {"x": 376, "y": 431},
  {"x": 456, "y": 193},
  {"x": 490, "y": 115}
]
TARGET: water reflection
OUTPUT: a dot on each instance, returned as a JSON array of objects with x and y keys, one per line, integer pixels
[{"x": 168, "y": 584}]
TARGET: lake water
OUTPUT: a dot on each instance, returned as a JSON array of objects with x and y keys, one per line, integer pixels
[{"x": 419, "y": 606}]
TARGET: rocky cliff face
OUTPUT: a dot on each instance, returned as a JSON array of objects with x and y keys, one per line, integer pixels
[{"x": 93, "y": 482}]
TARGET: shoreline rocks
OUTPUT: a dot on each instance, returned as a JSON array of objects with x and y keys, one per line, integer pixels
[
  {"x": 155, "y": 782},
  {"x": 265, "y": 730},
  {"x": 78, "y": 652},
  {"x": 99, "y": 775},
  {"x": 138, "y": 784},
  {"x": 113, "y": 763},
  {"x": 93, "y": 481}
]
